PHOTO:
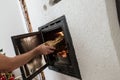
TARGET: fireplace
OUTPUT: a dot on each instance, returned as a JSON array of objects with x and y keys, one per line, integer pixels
[{"x": 54, "y": 33}]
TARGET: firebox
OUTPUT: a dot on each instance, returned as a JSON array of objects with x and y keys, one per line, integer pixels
[{"x": 62, "y": 60}]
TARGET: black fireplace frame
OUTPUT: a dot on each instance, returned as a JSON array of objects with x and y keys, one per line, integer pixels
[
  {"x": 118, "y": 9},
  {"x": 72, "y": 70}
]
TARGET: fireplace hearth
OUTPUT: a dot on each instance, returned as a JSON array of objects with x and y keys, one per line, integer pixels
[{"x": 54, "y": 33}]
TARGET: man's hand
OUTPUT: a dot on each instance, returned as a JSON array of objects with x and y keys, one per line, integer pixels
[{"x": 44, "y": 49}]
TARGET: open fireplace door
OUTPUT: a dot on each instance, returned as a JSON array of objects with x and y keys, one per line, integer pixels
[{"x": 54, "y": 33}]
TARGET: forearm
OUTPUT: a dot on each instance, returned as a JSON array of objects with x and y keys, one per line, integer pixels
[
  {"x": 22, "y": 59},
  {"x": 11, "y": 63}
]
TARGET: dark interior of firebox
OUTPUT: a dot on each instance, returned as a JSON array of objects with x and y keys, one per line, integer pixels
[{"x": 60, "y": 56}]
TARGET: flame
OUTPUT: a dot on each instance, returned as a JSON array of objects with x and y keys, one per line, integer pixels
[
  {"x": 63, "y": 53},
  {"x": 57, "y": 40},
  {"x": 60, "y": 33}
]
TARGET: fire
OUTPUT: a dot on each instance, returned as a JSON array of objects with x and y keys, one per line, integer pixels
[
  {"x": 56, "y": 40},
  {"x": 63, "y": 53},
  {"x": 60, "y": 33}
]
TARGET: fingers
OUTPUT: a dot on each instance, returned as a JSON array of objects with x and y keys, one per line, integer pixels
[
  {"x": 45, "y": 49},
  {"x": 50, "y": 49}
]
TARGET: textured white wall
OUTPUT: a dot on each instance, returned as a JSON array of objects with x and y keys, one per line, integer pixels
[
  {"x": 114, "y": 25},
  {"x": 11, "y": 23},
  {"x": 95, "y": 33}
]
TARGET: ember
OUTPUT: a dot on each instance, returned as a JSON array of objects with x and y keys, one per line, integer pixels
[{"x": 62, "y": 54}]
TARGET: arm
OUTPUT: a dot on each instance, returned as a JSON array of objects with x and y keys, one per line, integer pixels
[{"x": 10, "y": 63}]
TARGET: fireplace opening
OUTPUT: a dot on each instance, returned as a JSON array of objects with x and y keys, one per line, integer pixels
[
  {"x": 60, "y": 57},
  {"x": 63, "y": 60}
]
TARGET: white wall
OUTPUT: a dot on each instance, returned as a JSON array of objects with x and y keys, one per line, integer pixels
[
  {"x": 11, "y": 23},
  {"x": 95, "y": 33},
  {"x": 114, "y": 25}
]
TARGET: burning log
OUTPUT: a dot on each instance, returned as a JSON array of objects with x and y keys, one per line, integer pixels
[{"x": 56, "y": 40}]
